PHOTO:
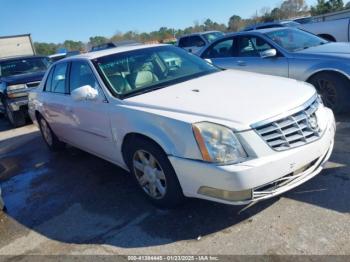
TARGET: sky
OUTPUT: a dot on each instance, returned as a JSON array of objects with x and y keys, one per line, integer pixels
[{"x": 59, "y": 20}]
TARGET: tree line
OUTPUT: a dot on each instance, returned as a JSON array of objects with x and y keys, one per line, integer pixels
[{"x": 287, "y": 10}]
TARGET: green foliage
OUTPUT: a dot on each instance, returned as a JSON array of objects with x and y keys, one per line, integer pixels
[
  {"x": 98, "y": 40},
  {"x": 324, "y": 7},
  {"x": 45, "y": 48}
]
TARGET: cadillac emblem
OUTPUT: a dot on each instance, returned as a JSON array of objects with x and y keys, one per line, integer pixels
[{"x": 312, "y": 122}]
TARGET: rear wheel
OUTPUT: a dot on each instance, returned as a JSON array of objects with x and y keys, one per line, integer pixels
[
  {"x": 154, "y": 173},
  {"x": 49, "y": 136},
  {"x": 334, "y": 89}
]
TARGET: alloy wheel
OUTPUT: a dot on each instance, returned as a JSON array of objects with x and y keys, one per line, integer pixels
[
  {"x": 149, "y": 174},
  {"x": 328, "y": 92}
]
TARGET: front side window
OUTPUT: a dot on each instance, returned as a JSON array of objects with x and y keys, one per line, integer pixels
[
  {"x": 81, "y": 75},
  {"x": 295, "y": 40},
  {"x": 58, "y": 81},
  {"x": 221, "y": 49},
  {"x": 23, "y": 66},
  {"x": 252, "y": 46},
  {"x": 147, "y": 69}
]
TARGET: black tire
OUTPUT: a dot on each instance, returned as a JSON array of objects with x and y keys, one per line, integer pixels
[
  {"x": 334, "y": 89},
  {"x": 54, "y": 143},
  {"x": 173, "y": 195},
  {"x": 16, "y": 118}
]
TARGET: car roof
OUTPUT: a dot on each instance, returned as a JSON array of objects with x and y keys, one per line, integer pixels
[
  {"x": 200, "y": 33},
  {"x": 258, "y": 31},
  {"x": 110, "y": 51},
  {"x": 9, "y": 58},
  {"x": 283, "y": 22}
]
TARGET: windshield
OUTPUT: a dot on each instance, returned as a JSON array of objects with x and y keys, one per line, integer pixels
[
  {"x": 295, "y": 40},
  {"x": 144, "y": 70},
  {"x": 23, "y": 66},
  {"x": 211, "y": 37}
]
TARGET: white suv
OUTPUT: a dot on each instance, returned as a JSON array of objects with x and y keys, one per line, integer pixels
[{"x": 186, "y": 128}]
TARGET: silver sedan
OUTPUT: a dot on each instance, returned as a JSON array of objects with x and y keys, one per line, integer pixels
[{"x": 292, "y": 53}]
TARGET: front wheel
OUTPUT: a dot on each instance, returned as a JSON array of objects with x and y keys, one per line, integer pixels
[
  {"x": 49, "y": 136},
  {"x": 334, "y": 90},
  {"x": 154, "y": 173}
]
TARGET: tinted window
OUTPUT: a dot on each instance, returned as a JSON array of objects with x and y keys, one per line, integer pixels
[
  {"x": 251, "y": 46},
  {"x": 81, "y": 75},
  {"x": 191, "y": 41},
  {"x": 49, "y": 80},
  {"x": 221, "y": 49},
  {"x": 23, "y": 66},
  {"x": 58, "y": 83}
]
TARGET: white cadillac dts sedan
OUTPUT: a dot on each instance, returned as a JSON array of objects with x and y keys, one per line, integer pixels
[{"x": 184, "y": 128}]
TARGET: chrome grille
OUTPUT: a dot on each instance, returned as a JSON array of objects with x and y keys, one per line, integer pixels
[{"x": 292, "y": 131}]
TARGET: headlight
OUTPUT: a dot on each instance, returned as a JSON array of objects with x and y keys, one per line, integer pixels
[
  {"x": 218, "y": 144},
  {"x": 16, "y": 87}
]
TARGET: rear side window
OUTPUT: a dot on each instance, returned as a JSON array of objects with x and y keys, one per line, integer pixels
[
  {"x": 58, "y": 81},
  {"x": 81, "y": 75}
]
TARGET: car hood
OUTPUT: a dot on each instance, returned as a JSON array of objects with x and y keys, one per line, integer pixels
[
  {"x": 329, "y": 48},
  {"x": 230, "y": 96},
  {"x": 23, "y": 78}
]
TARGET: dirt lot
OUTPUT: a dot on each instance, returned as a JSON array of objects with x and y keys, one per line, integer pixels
[{"x": 75, "y": 203}]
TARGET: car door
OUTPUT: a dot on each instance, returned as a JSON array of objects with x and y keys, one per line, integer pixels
[
  {"x": 90, "y": 127},
  {"x": 54, "y": 99},
  {"x": 248, "y": 57}
]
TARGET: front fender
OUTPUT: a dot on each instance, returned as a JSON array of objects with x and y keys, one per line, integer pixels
[{"x": 174, "y": 136}]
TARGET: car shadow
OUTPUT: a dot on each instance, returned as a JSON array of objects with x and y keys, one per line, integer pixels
[{"x": 75, "y": 197}]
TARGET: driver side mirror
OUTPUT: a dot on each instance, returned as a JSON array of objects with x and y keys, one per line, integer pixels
[
  {"x": 268, "y": 53},
  {"x": 84, "y": 93}
]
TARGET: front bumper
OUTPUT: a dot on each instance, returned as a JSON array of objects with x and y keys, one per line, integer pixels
[
  {"x": 17, "y": 104},
  {"x": 264, "y": 177}
]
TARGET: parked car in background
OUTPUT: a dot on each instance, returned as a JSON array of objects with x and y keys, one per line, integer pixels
[
  {"x": 19, "y": 75},
  {"x": 186, "y": 128},
  {"x": 292, "y": 53},
  {"x": 194, "y": 43},
  {"x": 285, "y": 23},
  {"x": 114, "y": 44},
  {"x": 333, "y": 27},
  {"x": 59, "y": 56}
]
